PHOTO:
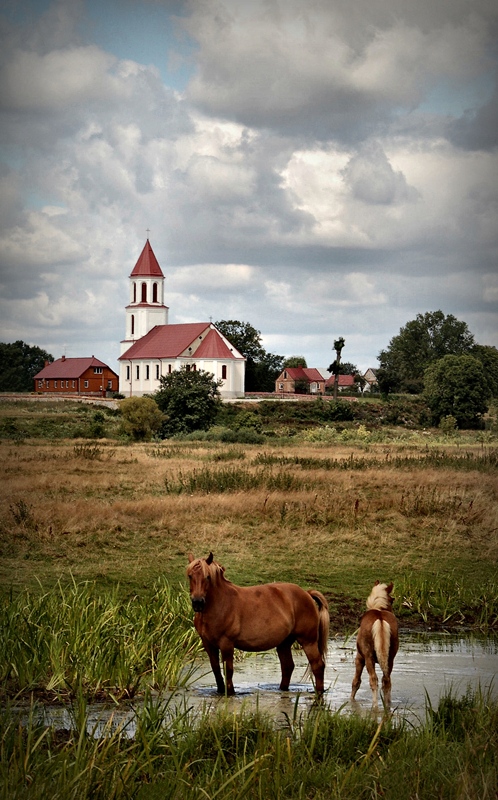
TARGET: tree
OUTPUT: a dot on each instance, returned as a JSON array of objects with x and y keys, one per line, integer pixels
[
  {"x": 141, "y": 417},
  {"x": 457, "y": 386},
  {"x": 335, "y": 367},
  {"x": 488, "y": 356},
  {"x": 295, "y": 361},
  {"x": 189, "y": 399},
  {"x": 19, "y": 363},
  {"x": 262, "y": 368},
  {"x": 419, "y": 344}
]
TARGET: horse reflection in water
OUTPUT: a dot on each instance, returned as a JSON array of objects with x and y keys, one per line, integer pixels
[
  {"x": 255, "y": 618},
  {"x": 377, "y": 642}
]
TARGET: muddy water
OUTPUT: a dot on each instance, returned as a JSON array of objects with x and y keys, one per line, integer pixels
[{"x": 427, "y": 665}]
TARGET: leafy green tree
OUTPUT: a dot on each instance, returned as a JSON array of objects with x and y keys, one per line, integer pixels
[
  {"x": 189, "y": 399},
  {"x": 348, "y": 368},
  {"x": 19, "y": 363},
  {"x": 262, "y": 368},
  {"x": 488, "y": 356},
  {"x": 295, "y": 361},
  {"x": 456, "y": 386},
  {"x": 141, "y": 417},
  {"x": 419, "y": 344}
]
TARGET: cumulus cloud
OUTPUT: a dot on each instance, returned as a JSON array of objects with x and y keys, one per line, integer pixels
[{"x": 305, "y": 180}]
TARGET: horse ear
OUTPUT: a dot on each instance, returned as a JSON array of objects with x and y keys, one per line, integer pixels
[
  {"x": 390, "y": 588},
  {"x": 209, "y": 559},
  {"x": 191, "y": 557}
]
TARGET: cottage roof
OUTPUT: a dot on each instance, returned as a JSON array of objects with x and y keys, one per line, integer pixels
[
  {"x": 171, "y": 341},
  {"x": 344, "y": 380},
  {"x": 309, "y": 374},
  {"x": 147, "y": 265},
  {"x": 67, "y": 368}
]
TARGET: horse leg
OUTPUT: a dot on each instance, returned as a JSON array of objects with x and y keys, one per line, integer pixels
[
  {"x": 284, "y": 652},
  {"x": 227, "y": 658},
  {"x": 317, "y": 664},
  {"x": 359, "y": 664},
  {"x": 386, "y": 689},
  {"x": 214, "y": 659},
  {"x": 374, "y": 682}
]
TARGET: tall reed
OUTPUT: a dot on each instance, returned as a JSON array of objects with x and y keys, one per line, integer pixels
[{"x": 76, "y": 637}]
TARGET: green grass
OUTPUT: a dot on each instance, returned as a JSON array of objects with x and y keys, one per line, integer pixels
[
  {"x": 321, "y": 755},
  {"x": 77, "y": 640}
]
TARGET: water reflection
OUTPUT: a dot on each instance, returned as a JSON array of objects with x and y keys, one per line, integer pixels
[{"x": 427, "y": 666}]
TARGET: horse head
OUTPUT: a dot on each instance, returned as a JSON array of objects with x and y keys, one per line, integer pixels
[{"x": 199, "y": 575}]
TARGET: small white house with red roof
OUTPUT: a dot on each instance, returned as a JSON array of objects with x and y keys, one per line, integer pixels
[
  {"x": 88, "y": 376},
  {"x": 153, "y": 348}
]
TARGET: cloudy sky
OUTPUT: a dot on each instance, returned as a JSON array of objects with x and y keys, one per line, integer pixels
[{"x": 317, "y": 168}]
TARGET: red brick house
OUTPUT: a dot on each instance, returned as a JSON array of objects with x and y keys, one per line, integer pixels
[
  {"x": 302, "y": 377},
  {"x": 87, "y": 376}
]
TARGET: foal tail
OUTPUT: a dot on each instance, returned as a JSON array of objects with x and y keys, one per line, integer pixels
[
  {"x": 381, "y": 634},
  {"x": 323, "y": 619}
]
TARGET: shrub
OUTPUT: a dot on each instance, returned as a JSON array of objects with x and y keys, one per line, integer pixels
[{"x": 141, "y": 417}]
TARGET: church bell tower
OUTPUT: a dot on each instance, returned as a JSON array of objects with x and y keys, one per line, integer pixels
[{"x": 146, "y": 305}]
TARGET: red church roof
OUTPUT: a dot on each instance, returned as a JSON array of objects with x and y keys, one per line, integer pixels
[
  {"x": 213, "y": 346},
  {"x": 170, "y": 341},
  {"x": 69, "y": 368},
  {"x": 147, "y": 264}
]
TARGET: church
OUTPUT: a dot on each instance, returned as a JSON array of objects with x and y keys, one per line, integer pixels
[{"x": 153, "y": 348}]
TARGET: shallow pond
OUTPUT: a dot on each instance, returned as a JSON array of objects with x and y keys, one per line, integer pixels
[{"x": 427, "y": 666}]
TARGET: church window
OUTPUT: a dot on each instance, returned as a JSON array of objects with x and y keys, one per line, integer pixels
[
  {"x": 128, "y": 373},
  {"x": 147, "y": 372},
  {"x": 144, "y": 293},
  {"x": 169, "y": 368},
  {"x": 138, "y": 372},
  {"x": 132, "y": 324},
  {"x": 224, "y": 372},
  {"x": 157, "y": 372},
  {"x": 194, "y": 368},
  {"x": 154, "y": 292},
  {"x": 187, "y": 367},
  {"x": 134, "y": 292}
]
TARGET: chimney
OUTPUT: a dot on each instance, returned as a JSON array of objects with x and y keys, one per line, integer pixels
[{"x": 63, "y": 358}]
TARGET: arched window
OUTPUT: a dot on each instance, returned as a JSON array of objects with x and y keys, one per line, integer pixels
[
  {"x": 144, "y": 293},
  {"x": 134, "y": 292},
  {"x": 224, "y": 372},
  {"x": 154, "y": 292},
  {"x": 132, "y": 324}
]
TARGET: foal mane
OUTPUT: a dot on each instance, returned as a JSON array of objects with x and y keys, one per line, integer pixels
[{"x": 380, "y": 597}]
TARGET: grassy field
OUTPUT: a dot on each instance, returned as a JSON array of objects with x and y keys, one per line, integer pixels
[
  {"x": 94, "y": 537},
  {"x": 414, "y": 507}
]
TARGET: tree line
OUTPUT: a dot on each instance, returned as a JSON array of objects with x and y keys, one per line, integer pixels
[{"x": 434, "y": 355}]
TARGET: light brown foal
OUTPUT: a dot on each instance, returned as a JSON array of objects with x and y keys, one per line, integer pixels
[{"x": 377, "y": 642}]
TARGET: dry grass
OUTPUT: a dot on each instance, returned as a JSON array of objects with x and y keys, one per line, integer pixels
[{"x": 108, "y": 514}]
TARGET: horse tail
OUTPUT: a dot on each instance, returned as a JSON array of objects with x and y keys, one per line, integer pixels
[
  {"x": 381, "y": 634},
  {"x": 323, "y": 619}
]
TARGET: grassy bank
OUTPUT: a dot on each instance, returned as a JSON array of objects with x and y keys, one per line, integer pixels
[{"x": 321, "y": 755}]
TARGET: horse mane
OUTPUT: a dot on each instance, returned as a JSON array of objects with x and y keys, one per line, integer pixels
[
  {"x": 379, "y": 598},
  {"x": 214, "y": 570}
]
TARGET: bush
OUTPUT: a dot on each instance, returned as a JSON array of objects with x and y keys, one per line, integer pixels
[
  {"x": 141, "y": 417},
  {"x": 457, "y": 386}
]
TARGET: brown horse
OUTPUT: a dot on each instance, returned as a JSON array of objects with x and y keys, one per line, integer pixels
[
  {"x": 377, "y": 641},
  {"x": 255, "y": 618}
]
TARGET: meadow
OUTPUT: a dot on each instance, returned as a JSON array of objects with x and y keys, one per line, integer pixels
[{"x": 94, "y": 536}]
